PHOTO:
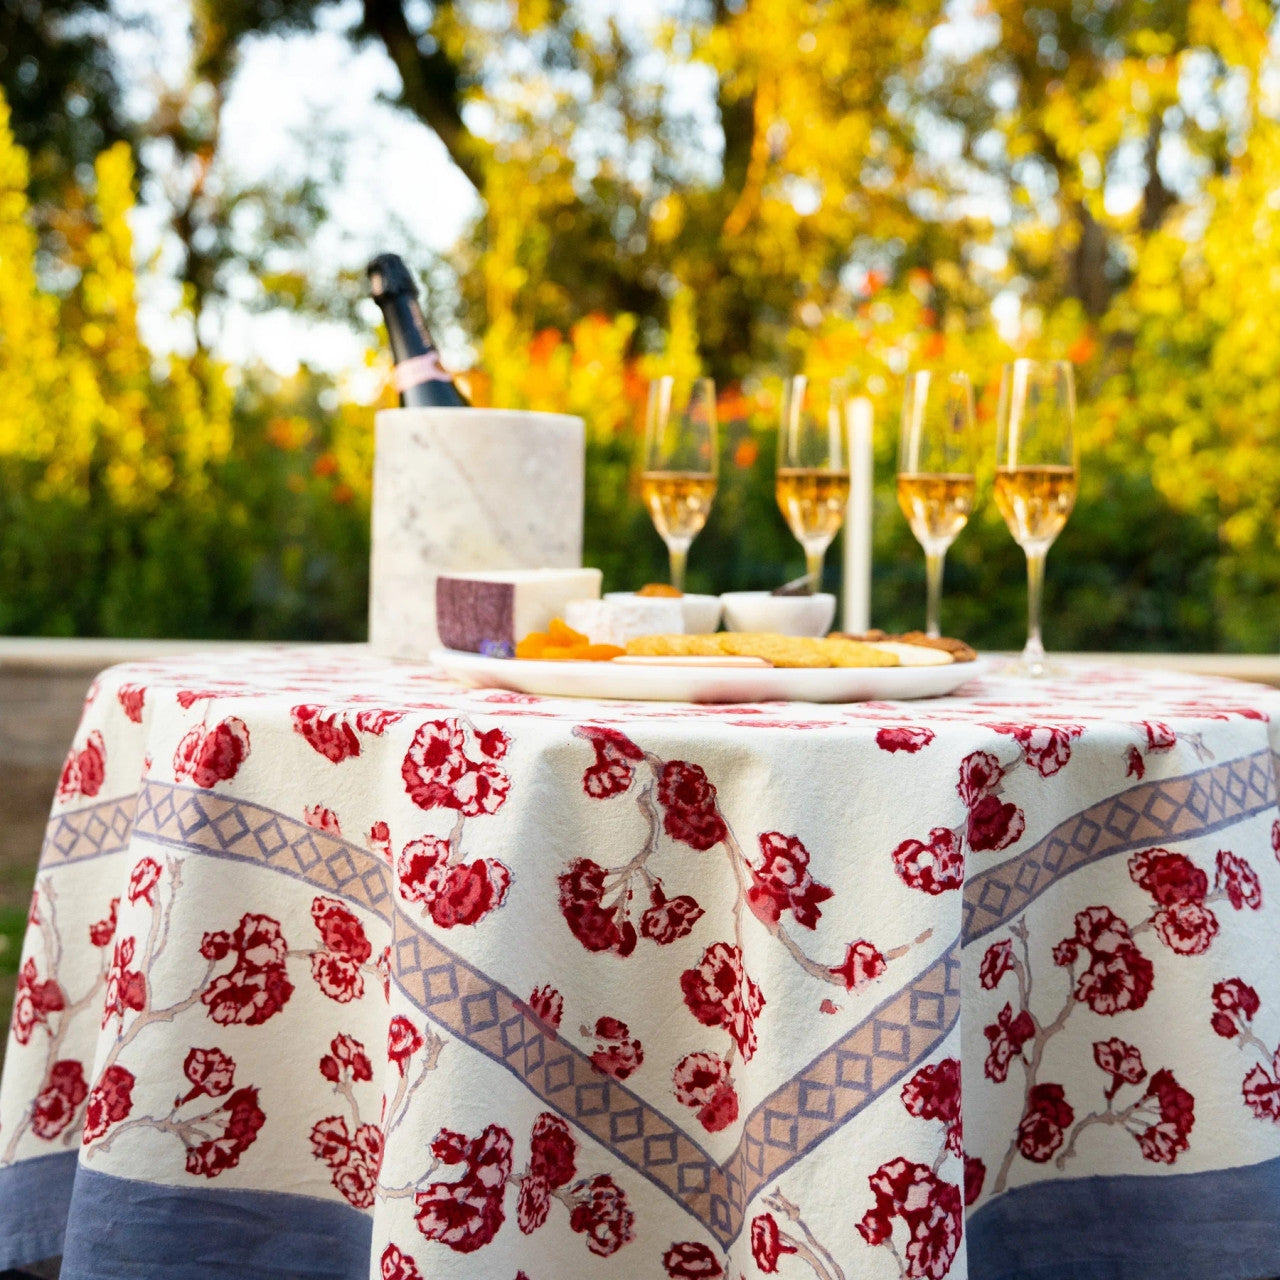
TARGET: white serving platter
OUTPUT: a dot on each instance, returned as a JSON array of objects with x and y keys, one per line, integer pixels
[{"x": 703, "y": 684}]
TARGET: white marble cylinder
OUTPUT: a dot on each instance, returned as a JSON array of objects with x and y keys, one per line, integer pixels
[{"x": 457, "y": 489}]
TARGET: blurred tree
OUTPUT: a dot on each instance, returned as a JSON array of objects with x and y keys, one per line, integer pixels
[{"x": 63, "y": 87}]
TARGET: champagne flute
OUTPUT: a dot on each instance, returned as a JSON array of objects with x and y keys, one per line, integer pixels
[
  {"x": 812, "y": 485},
  {"x": 681, "y": 455},
  {"x": 1037, "y": 463},
  {"x": 936, "y": 471}
]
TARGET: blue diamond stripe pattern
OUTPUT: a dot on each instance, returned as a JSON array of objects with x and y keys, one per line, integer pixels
[
  {"x": 88, "y": 833},
  {"x": 1152, "y": 813}
]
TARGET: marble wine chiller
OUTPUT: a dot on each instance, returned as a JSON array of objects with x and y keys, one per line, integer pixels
[{"x": 466, "y": 489}]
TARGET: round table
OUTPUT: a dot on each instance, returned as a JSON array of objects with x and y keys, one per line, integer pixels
[{"x": 335, "y": 969}]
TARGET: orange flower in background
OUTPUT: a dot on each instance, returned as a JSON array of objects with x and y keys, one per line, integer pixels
[
  {"x": 732, "y": 405},
  {"x": 288, "y": 433},
  {"x": 544, "y": 345},
  {"x": 1083, "y": 349},
  {"x": 342, "y": 494},
  {"x": 934, "y": 346},
  {"x": 325, "y": 465},
  {"x": 745, "y": 455}
]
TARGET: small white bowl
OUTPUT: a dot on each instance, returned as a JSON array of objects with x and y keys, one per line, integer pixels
[
  {"x": 701, "y": 614},
  {"x": 782, "y": 615}
]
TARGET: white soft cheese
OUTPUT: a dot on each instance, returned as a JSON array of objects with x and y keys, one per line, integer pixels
[{"x": 617, "y": 621}]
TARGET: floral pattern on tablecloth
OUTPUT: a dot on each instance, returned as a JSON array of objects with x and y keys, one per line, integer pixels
[{"x": 610, "y": 989}]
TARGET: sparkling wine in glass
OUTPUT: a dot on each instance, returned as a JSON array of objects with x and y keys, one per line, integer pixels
[
  {"x": 678, "y": 482},
  {"x": 1037, "y": 464},
  {"x": 812, "y": 485},
  {"x": 936, "y": 471}
]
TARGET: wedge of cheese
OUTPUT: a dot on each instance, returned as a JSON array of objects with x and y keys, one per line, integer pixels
[
  {"x": 615, "y": 621},
  {"x": 489, "y": 611}
]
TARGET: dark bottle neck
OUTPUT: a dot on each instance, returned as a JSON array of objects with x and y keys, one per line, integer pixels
[{"x": 420, "y": 378}]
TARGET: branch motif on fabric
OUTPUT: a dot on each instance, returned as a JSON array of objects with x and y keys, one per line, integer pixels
[
  {"x": 611, "y": 909},
  {"x": 1108, "y": 972}
]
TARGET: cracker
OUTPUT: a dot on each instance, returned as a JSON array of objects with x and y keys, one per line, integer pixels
[
  {"x": 673, "y": 646},
  {"x": 781, "y": 651},
  {"x": 853, "y": 653}
]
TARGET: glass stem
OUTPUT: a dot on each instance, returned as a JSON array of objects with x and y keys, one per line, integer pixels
[
  {"x": 1033, "y": 652},
  {"x": 813, "y": 557},
  {"x": 933, "y": 561},
  {"x": 679, "y": 554}
]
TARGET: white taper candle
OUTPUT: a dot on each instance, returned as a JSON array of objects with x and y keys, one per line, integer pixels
[{"x": 857, "y": 529}]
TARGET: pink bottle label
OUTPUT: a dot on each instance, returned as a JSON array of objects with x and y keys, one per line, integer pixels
[{"x": 419, "y": 369}]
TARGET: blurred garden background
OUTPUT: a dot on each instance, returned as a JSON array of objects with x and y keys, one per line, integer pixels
[{"x": 189, "y": 368}]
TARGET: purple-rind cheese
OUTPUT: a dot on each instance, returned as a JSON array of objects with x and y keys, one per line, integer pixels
[{"x": 491, "y": 611}]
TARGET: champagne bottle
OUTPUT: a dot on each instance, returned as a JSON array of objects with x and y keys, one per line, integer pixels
[{"x": 419, "y": 377}]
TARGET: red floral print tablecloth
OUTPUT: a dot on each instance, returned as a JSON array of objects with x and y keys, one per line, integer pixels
[{"x": 334, "y": 970}]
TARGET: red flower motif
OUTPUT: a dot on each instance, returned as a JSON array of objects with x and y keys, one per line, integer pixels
[
  {"x": 1046, "y": 748},
  {"x": 493, "y": 743},
  {"x": 669, "y": 918},
  {"x": 1186, "y": 927},
  {"x": 403, "y": 1041},
  {"x": 1118, "y": 976},
  {"x": 1159, "y": 736},
  {"x": 582, "y": 889},
  {"x": 102, "y": 931},
  {"x": 422, "y": 868},
  {"x": 210, "y": 1071},
  {"x": 933, "y": 1093},
  {"x": 462, "y": 894},
  {"x": 720, "y": 993},
  {"x": 84, "y": 770},
  {"x": 328, "y": 732},
  {"x": 1042, "y": 1129},
  {"x": 783, "y": 882},
  {"x": 143, "y": 881},
  {"x": 1165, "y": 1140},
  {"x": 243, "y": 1119},
  {"x": 980, "y": 775},
  {"x": 131, "y": 698},
  {"x": 466, "y": 1215},
  {"x": 34, "y": 1001},
  {"x": 931, "y": 1209},
  {"x": 379, "y": 840},
  {"x": 995, "y": 964},
  {"x": 110, "y": 1101},
  {"x": 57, "y": 1103},
  {"x": 602, "y": 1214},
  {"x": 1119, "y": 1060},
  {"x": 398, "y": 1266},
  {"x": 1239, "y": 880},
  {"x": 1261, "y": 1090},
  {"x": 1135, "y": 767},
  {"x": 701, "y": 1081},
  {"x": 1168, "y": 877},
  {"x": 353, "y": 1160},
  {"x": 909, "y": 738},
  {"x": 612, "y": 773},
  {"x": 934, "y": 867},
  {"x": 126, "y": 988},
  {"x": 533, "y": 1203},
  {"x": 438, "y": 774},
  {"x": 767, "y": 1243},
  {"x": 547, "y": 1005},
  {"x": 863, "y": 963},
  {"x": 322, "y": 819},
  {"x": 689, "y": 801},
  {"x": 336, "y": 969},
  {"x": 552, "y": 1150},
  {"x": 210, "y": 756},
  {"x": 258, "y": 987},
  {"x": 1275, "y": 838},
  {"x": 618, "y": 1054},
  {"x": 993, "y": 825},
  {"x": 1235, "y": 1002},
  {"x": 346, "y": 1056},
  {"x": 975, "y": 1174},
  {"x": 691, "y": 1260},
  {"x": 1007, "y": 1035}
]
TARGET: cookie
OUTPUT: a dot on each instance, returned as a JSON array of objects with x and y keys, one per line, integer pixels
[
  {"x": 673, "y": 646},
  {"x": 853, "y": 653}
]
